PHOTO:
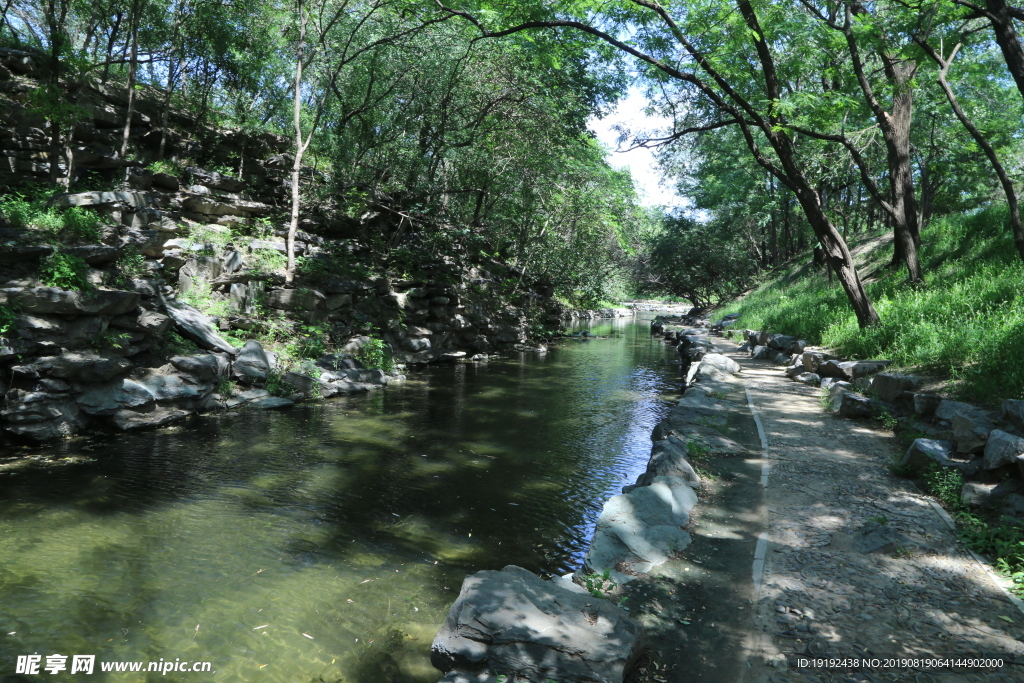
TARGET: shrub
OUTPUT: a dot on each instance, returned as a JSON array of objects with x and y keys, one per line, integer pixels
[
  {"x": 8, "y": 314},
  {"x": 65, "y": 271},
  {"x": 376, "y": 354},
  {"x": 944, "y": 483}
]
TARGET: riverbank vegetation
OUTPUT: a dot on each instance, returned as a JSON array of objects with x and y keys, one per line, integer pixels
[{"x": 414, "y": 135}]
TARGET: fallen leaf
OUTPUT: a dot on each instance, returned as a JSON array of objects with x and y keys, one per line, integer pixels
[{"x": 1007, "y": 619}]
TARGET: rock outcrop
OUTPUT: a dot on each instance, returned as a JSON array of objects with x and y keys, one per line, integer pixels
[{"x": 514, "y": 623}]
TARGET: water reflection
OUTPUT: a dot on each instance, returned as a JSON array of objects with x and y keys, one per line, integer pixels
[{"x": 326, "y": 541}]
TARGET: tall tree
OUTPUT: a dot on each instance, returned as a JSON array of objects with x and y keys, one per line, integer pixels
[{"x": 727, "y": 90}]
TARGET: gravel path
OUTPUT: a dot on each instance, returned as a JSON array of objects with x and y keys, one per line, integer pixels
[{"x": 920, "y": 596}]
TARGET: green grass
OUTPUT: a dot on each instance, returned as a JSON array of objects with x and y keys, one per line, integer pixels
[{"x": 964, "y": 325}]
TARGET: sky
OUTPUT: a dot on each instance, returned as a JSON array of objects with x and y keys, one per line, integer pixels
[{"x": 639, "y": 161}]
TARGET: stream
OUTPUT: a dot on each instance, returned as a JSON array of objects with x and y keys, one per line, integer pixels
[{"x": 325, "y": 542}]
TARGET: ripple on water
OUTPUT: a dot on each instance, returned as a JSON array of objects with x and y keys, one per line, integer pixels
[{"x": 327, "y": 540}]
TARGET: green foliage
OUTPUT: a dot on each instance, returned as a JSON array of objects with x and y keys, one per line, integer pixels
[
  {"x": 376, "y": 354},
  {"x": 225, "y": 387},
  {"x": 964, "y": 325},
  {"x": 276, "y": 384},
  {"x": 310, "y": 342},
  {"x": 130, "y": 266},
  {"x": 879, "y": 519},
  {"x": 887, "y": 420},
  {"x": 65, "y": 271},
  {"x": 176, "y": 345},
  {"x": 944, "y": 483},
  {"x": 8, "y": 315},
  {"x": 1002, "y": 543},
  {"x": 74, "y": 224},
  {"x": 682, "y": 265},
  {"x": 200, "y": 295},
  {"x": 599, "y": 584}
]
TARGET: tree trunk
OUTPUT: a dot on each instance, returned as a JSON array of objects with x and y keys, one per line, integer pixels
[
  {"x": 1004, "y": 178},
  {"x": 1006, "y": 38},
  {"x": 300, "y": 147},
  {"x": 133, "y": 65}
]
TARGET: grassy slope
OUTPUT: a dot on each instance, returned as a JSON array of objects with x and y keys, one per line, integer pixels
[{"x": 966, "y": 325}]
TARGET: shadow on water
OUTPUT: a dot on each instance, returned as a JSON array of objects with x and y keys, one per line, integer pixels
[{"x": 326, "y": 541}]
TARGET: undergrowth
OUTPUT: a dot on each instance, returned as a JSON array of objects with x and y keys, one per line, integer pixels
[{"x": 965, "y": 324}]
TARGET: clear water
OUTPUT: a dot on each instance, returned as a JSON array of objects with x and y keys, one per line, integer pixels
[{"x": 325, "y": 542}]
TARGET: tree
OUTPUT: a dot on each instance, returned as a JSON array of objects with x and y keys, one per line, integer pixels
[{"x": 725, "y": 88}]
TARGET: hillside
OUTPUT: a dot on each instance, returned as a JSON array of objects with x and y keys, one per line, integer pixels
[
  {"x": 152, "y": 289},
  {"x": 962, "y": 327}
]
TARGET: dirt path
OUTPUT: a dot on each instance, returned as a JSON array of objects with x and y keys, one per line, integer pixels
[{"x": 823, "y": 593}]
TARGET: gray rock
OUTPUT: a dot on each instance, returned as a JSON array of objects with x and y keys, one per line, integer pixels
[
  {"x": 515, "y": 623},
  {"x": 971, "y": 430},
  {"x": 42, "y": 300},
  {"x": 270, "y": 403},
  {"x": 705, "y": 371},
  {"x": 796, "y": 369},
  {"x": 193, "y": 324},
  {"x": 721, "y": 362},
  {"x": 874, "y": 537},
  {"x": 203, "y": 368},
  {"x": 813, "y": 359},
  {"x": 924, "y": 452},
  {"x": 669, "y": 458},
  {"x": 808, "y": 378},
  {"x": 142, "y": 320},
  {"x": 1001, "y": 449},
  {"x": 781, "y": 342},
  {"x": 40, "y": 416},
  {"x": 95, "y": 254},
  {"x": 167, "y": 386},
  {"x": 640, "y": 530},
  {"x": 243, "y": 397},
  {"x": 979, "y": 494},
  {"x": 88, "y": 367},
  {"x": 761, "y": 353},
  {"x": 851, "y": 369},
  {"x": 890, "y": 385},
  {"x": 851, "y": 404},
  {"x": 295, "y": 299},
  {"x": 119, "y": 394},
  {"x": 1013, "y": 411},
  {"x": 925, "y": 405},
  {"x": 129, "y": 420},
  {"x": 463, "y": 677},
  {"x": 252, "y": 365},
  {"x": 132, "y": 200},
  {"x": 1013, "y": 505}
]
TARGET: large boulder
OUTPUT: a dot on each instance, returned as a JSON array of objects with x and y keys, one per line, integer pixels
[
  {"x": 142, "y": 320},
  {"x": 42, "y": 300},
  {"x": 971, "y": 425},
  {"x": 813, "y": 359},
  {"x": 890, "y": 385},
  {"x": 721, "y": 362},
  {"x": 40, "y": 416},
  {"x": 88, "y": 367},
  {"x": 204, "y": 367},
  {"x": 925, "y": 405},
  {"x": 252, "y": 365},
  {"x": 127, "y": 200},
  {"x": 109, "y": 398},
  {"x": 1001, "y": 449},
  {"x": 851, "y": 369},
  {"x": 193, "y": 324},
  {"x": 669, "y": 458},
  {"x": 1013, "y": 411},
  {"x": 295, "y": 299},
  {"x": 514, "y": 623},
  {"x": 168, "y": 386},
  {"x": 925, "y": 452},
  {"x": 640, "y": 530},
  {"x": 853, "y": 405}
]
